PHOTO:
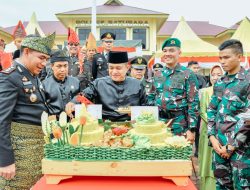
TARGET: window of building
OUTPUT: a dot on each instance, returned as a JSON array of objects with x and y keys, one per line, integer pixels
[
  {"x": 119, "y": 32},
  {"x": 140, "y": 34},
  {"x": 83, "y": 34}
]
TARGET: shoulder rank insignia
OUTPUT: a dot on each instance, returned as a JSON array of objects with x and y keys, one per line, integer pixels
[
  {"x": 24, "y": 79},
  {"x": 9, "y": 70}
]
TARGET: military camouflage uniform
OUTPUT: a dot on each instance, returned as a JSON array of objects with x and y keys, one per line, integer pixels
[
  {"x": 231, "y": 99},
  {"x": 147, "y": 84},
  {"x": 176, "y": 94}
]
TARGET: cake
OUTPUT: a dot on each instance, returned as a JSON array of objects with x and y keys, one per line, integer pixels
[
  {"x": 83, "y": 139},
  {"x": 146, "y": 125},
  {"x": 83, "y": 130},
  {"x": 90, "y": 130}
]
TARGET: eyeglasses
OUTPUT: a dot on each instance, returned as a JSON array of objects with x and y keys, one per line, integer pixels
[
  {"x": 108, "y": 41},
  {"x": 73, "y": 44}
]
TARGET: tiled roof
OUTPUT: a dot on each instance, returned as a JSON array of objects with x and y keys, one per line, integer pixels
[
  {"x": 109, "y": 9},
  {"x": 201, "y": 28},
  {"x": 48, "y": 27}
]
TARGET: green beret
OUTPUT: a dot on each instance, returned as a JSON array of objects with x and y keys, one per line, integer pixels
[
  {"x": 139, "y": 63},
  {"x": 171, "y": 42},
  {"x": 40, "y": 44}
]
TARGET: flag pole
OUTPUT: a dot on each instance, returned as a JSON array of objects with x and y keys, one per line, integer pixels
[{"x": 93, "y": 18}]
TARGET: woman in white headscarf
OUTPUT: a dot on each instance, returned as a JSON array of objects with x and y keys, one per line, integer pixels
[{"x": 205, "y": 152}]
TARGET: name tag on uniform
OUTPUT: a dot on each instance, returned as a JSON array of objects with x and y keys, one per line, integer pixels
[{"x": 27, "y": 83}]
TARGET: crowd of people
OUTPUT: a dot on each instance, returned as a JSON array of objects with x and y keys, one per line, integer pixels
[{"x": 211, "y": 112}]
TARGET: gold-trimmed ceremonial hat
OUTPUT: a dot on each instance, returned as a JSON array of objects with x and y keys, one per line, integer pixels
[
  {"x": 40, "y": 44},
  {"x": 157, "y": 66},
  {"x": 139, "y": 63},
  {"x": 108, "y": 35}
]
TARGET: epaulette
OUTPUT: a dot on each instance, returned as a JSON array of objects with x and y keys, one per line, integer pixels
[{"x": 9, "y": 70}]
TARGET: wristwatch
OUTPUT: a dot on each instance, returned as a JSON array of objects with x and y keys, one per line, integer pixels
[{"x": 230, "y": 149}]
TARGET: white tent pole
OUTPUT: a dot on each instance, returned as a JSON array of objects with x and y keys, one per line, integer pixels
[{"x": 93, "y": 18}]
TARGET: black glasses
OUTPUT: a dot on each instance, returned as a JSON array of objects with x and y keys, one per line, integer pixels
[
  {"x": 73, "y": 44},
  {"x": 108, "y": 41}
]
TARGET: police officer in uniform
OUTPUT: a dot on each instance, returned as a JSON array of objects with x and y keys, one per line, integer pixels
[
  {"x": 138, "y": 70},
  {"x": 178, "y": 99},
  {"x": 73, "y": 47},
  {"x": 100, "y": 63},
  {"x": 116, "y": 90},
  {"x": 22, "y": 101},
  {"x": 59, "y": 87}
]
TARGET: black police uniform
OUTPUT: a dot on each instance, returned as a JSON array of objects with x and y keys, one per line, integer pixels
[
  {"x": 59, "y": 93},
  {"x": 22, "y": 100},
  {"x": 86, "y": 76},
  {"x": 74, "y": 66},
  {"x": 100, "y": 66}
]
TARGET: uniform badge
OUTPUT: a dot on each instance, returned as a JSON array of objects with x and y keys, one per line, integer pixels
[
  {"x": 26, "y": 90},
  {"x": 72, "y": 87},
  {"x": 109, "y": 35},
  {"x": 33, "y": 97},
  {"x": 24, "y": 79},
  {"x": 139, "y": 60},
  {"x": 172, "y": 42}
]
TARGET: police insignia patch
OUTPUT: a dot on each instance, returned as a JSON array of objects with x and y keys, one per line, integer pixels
[
  {"x": 139, "y": 60},
  {"x": 24, "y": 79},
  {"x": 109, "y": 35},
  {"x": 9, "y": 70}
]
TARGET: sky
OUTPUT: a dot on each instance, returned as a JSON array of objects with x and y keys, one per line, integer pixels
[{"x": 219, "y": 12}]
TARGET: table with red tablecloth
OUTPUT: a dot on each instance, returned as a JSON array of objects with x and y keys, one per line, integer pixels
[{"x": 111, "y": 183}]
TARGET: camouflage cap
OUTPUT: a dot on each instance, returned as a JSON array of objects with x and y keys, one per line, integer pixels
[
  {"x": 40, "y": 44},
  {"x": 171, "y": 42},
  {"x": 139, "y": 63}
]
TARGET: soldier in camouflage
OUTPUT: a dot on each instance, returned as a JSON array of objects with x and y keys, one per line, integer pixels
[
  {"x": 156, "y": 82},
  {"x": 177, "y": 96},
  {"x": 228, "y": 128}
]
